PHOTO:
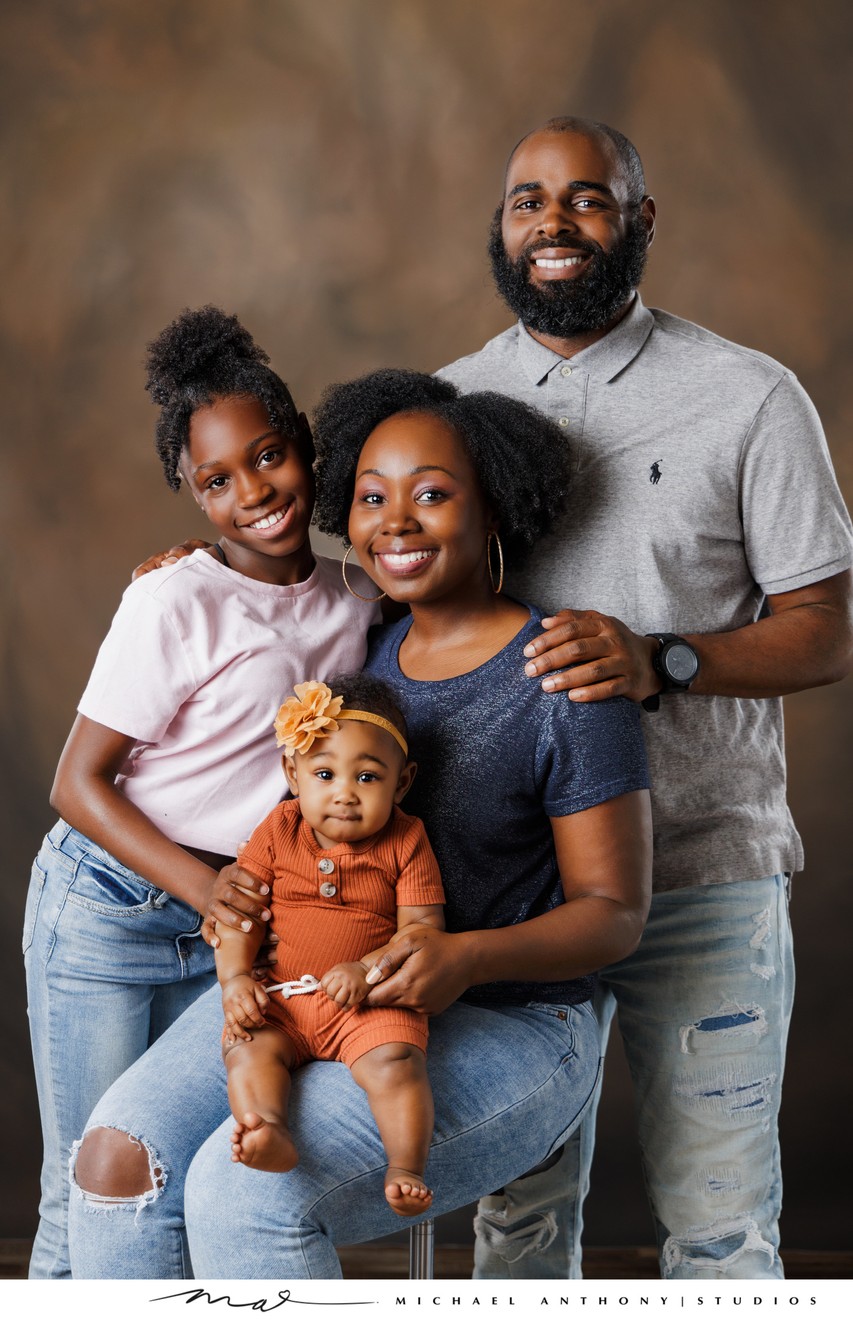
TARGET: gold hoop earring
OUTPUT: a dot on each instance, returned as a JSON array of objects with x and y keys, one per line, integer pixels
[
  {"x": 347, "y": 586},
  {"x": 500, "y": 561}
]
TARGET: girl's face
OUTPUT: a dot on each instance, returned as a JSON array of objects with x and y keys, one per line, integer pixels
[
  {"x": 419, "y": 520},
  {"x": 255, "y": 486}
]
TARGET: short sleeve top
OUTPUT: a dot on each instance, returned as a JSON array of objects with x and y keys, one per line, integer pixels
[
  {"x": 195, "y": 665},
  {"x": 497, "y": 757}
]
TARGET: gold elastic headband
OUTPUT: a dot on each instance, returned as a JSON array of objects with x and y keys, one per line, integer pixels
[
  {"x": 369, "y": 718},
  {"x": 314, "y": 712}
]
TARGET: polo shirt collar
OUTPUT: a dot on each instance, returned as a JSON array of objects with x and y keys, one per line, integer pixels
[{"x": 603, "y": 360}]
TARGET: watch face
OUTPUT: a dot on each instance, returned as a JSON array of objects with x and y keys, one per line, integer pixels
[{"x": 680, "y": 662}]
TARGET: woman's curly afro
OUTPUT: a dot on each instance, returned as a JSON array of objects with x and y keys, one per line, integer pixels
[
  {"x": 520, "y": 457},
  {"x": 202, "y": 356}
]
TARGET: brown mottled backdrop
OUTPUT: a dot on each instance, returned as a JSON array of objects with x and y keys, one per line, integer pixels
[{"x": 327, "y": 170}]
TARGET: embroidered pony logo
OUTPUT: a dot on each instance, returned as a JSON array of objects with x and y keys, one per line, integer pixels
[{"x": 655, "y": 473}]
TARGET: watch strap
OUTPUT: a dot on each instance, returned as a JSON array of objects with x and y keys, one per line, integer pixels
[{"x": 670, "y": 684}]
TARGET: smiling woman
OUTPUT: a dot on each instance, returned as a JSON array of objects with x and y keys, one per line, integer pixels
[
  {"x": 406, "y": 515},
  {"x": 534, "y": 805},
  {"x": 537, "y": 810}
]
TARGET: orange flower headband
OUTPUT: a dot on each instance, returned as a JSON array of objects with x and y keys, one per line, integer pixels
[{"x": 314, "y": 712}]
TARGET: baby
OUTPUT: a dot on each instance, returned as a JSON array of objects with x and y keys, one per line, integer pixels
[{"x": 348, "y": 871}]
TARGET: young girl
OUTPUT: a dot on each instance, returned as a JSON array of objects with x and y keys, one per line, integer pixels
[
  {"x": 166, "y": 768},
  {"x": 347, "y": 870}
]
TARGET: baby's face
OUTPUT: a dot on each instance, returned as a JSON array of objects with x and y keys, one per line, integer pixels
[{"x": 349, "y": 781}]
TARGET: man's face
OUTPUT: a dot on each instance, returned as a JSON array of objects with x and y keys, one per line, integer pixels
[{"x": 568, "y": 244}]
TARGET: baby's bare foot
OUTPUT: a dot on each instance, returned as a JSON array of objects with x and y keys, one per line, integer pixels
[
  {"x": 264, "y": 1144},
  {"x": 406, "y": 1192}
]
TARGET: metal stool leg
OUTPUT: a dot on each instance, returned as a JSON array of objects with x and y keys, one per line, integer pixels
[{"x": 422, "y": 1251}]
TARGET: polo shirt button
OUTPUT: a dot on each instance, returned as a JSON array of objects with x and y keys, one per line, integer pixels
[
  {"x": 326, "y": 866},
  {"x": 327, "y": 890},
  {"x": 565, "y": 371},
  {"x": 564, "y": 421}
]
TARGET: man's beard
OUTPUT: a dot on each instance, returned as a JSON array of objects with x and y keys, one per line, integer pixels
[{"x": 584, "y": 302}]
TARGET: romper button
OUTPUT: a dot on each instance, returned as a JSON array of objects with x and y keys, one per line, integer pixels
[
  {"x": 327, "y": 889},
  {"x": 564, "y": 421},
  {"x": 326, "y": 865},
  {"x": 565, "y": 371}
]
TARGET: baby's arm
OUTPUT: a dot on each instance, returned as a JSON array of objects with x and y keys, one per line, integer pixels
[
  {"x": 348, "y": 983},
  {"x": 243, "y": 998}
]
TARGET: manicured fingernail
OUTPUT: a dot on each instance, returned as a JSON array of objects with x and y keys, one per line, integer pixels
[
  {"x": 265, "y": 889},
  {"x": 374, "y": 976},
  {"x": 548, "y": 685},
  {"x": 530, "y": 669},
  {"x": 530, "y": 650},
  {"x": 170, "y": 559},
  {"x": 266, "y": 914},
  {"x": 245, "y": 926}
]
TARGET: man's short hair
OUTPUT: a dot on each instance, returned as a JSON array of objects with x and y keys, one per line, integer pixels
[{"x": 626, "y": 152}]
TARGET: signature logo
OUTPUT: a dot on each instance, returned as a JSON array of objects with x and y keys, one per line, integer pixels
[
  {"x": 257, "y": 1304},
  {"x": 655, "y": 473}
]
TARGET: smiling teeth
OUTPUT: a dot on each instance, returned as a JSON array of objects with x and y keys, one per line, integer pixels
[
  {"x": 558, "y": 263},
  {"x": 407, "y": 557},
  {"x": 269, "y": 521}
]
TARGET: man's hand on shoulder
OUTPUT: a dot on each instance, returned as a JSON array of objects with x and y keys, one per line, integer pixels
[
  {"x": 592, "y": 656},
  {"x": 805, "y": 641},
  {"x": 168, "y": 557}
]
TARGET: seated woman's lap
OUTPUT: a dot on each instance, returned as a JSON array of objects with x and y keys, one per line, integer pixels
[{"x": 508, "y": 1085}]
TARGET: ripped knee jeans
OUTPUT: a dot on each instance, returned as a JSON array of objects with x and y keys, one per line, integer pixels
[{"x": 704, "y": 1007}]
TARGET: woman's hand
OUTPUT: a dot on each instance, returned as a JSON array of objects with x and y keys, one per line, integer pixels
[
  {"x": 235, "y": 899},
  {"x": 168, "y": 557},
  {"x": 423, "y": 969},
  {"x": 605, "y": 658},
  {"x": 266, "y": 956}
]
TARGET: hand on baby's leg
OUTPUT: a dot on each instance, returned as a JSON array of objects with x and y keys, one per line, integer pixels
[
  {"x": 243, "y": 1003},
  {"x": 346, "y": 984}
]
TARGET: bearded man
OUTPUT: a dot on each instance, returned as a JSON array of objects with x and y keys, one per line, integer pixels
[{"x": 707, "y": 551}]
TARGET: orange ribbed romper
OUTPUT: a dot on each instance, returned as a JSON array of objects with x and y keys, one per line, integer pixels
[{"x": 333, "y": 906}]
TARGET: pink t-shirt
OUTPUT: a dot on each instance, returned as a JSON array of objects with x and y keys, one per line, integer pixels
[{"x": 195, "y": 665}]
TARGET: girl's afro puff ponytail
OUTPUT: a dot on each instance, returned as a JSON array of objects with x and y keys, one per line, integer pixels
[{"x": 204, "y": 355}]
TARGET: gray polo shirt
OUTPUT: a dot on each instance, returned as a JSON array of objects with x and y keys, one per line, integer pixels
[{"x": 702, "y": 482}]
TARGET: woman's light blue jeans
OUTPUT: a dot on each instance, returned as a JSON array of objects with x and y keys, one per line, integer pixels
[
  {"x": 509, "y": 1085},
  {"x": 111, "y": 962},
  {"x": 704, "y": 1006}
]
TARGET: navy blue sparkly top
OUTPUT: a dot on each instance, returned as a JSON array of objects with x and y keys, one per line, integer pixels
[{"x": 497, "y": 757}]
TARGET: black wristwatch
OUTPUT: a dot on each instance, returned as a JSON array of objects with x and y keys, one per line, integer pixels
[{"x": 677, "y": 664}]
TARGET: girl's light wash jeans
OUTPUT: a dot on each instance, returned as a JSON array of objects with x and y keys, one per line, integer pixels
[
  {"x": 509, "y": 1085},
  {"x": 704, "y": 1006},
  {"x": 111, "y": 962}
]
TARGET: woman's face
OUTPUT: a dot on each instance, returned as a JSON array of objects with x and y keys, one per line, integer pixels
[{"x": 419, "y": 520}]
